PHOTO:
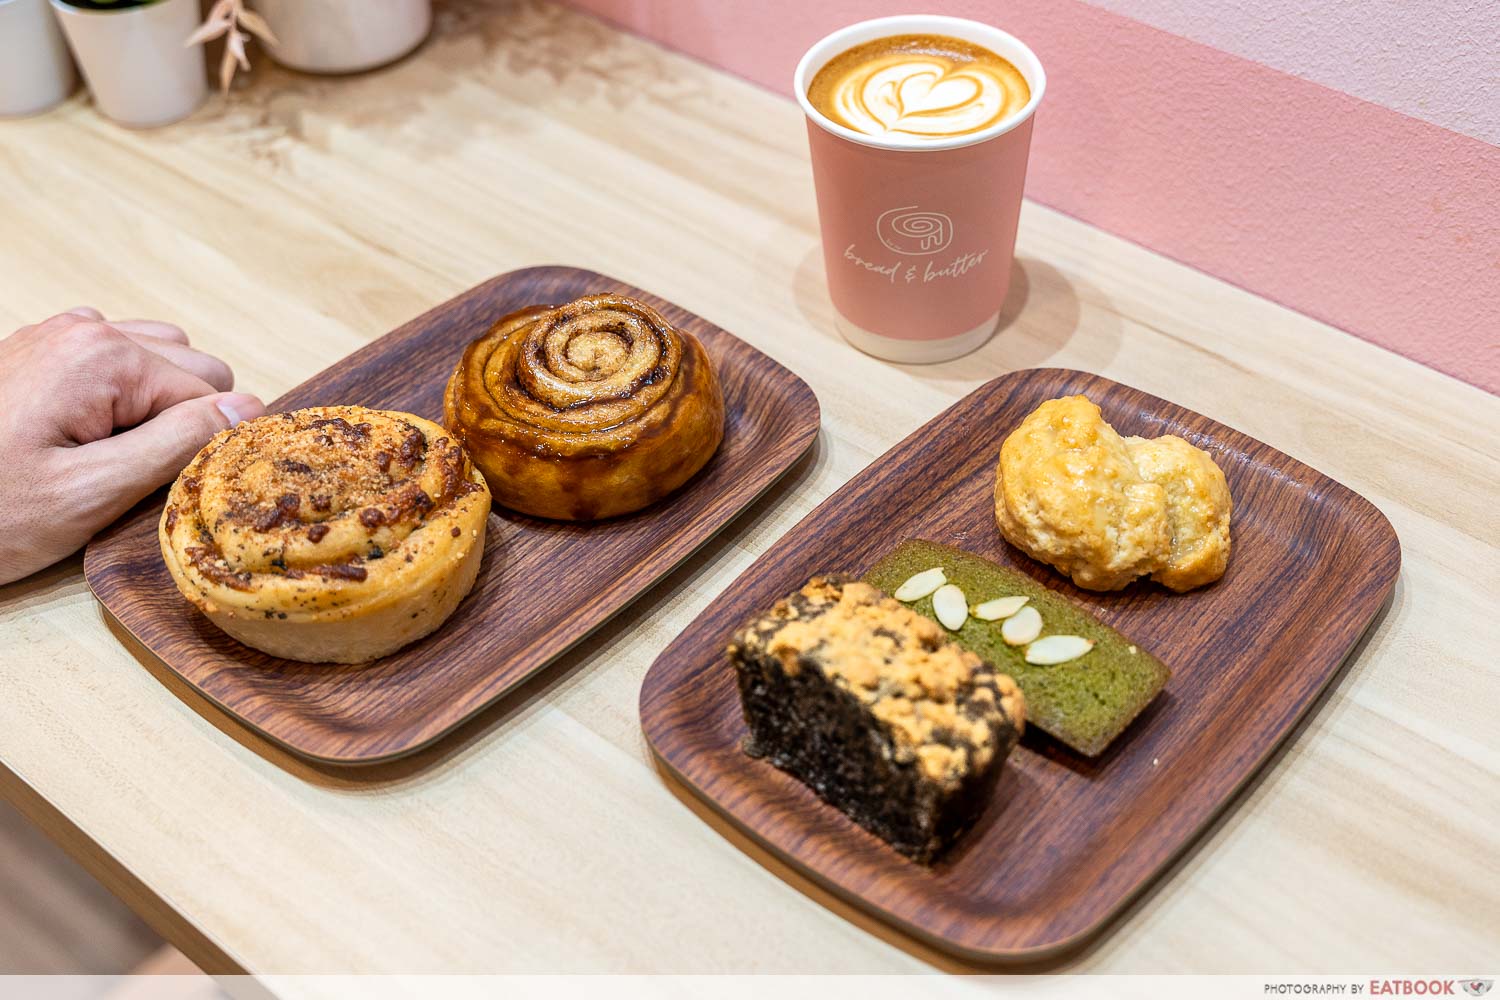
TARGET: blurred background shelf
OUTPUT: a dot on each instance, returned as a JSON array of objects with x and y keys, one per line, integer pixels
[{"x": 54, "y": 917}]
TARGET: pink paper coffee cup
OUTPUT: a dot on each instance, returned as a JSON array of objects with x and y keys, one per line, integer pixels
[{"x": 918, "y": 239}]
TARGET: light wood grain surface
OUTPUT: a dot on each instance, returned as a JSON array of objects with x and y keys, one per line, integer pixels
[{"x": 304, "y": 217}]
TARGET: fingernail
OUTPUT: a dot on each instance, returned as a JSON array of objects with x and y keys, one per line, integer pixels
[{"x": 239, "y": 408}]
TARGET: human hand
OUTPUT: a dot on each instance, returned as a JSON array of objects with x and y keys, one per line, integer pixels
[{"x": 93, "y": 417}]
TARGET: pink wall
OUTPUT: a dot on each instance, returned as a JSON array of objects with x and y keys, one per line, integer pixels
[
  {"x": 1437, "y": 60},
  {"x": 1307, "y": 164}
]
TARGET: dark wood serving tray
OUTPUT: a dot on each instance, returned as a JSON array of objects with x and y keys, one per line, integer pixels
[
  {"x": 543, "y": 586},
  {"x": 1067, "y": 841}
]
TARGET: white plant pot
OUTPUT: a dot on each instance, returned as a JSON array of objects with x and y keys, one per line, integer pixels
[
  {"x": 135, "y": 62},
  {"x": 344, "y": 36},
  {"x": 35, "y": 69}
]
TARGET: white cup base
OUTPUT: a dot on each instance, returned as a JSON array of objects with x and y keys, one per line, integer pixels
[{"x": 916, "y": 352}]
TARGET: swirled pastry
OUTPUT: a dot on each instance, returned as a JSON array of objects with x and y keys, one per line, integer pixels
[
  {"x": 586, "y": 410},
  {"x": 331, "y": 534},
  {"x": 1072, "y": 493}
]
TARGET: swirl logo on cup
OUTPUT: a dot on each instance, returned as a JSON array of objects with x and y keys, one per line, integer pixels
[{"x": 913, "y": 231}]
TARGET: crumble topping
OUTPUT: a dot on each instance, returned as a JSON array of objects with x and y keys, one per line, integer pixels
[{"x": 945, "y": 708}]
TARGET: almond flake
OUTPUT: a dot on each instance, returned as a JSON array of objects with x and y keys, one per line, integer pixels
[
  {"x": 1022, "y": 627},
  {"x": 921, "y": 585},
  {"x": 1057, "y": 649},
  {"x": 950, "y": 607},
  {"x": 1000, "y": 607}
]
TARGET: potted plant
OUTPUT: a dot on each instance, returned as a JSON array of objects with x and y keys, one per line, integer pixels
[
  {"x": 35, "y": 69},
  {"x": 344, "y": 36},
  {"x": 133, "y": 57}
]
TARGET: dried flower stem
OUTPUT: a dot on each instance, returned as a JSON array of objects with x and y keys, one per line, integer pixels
[{"x": 228, "y": 18}]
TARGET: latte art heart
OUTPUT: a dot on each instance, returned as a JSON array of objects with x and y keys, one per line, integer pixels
[
  {"x": 919, "y": 87},
  {"x": 917, "y": 96}
]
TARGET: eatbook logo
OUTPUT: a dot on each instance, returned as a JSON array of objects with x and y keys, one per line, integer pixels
[
  {"x": 913, "y": 232},
  {"x": 1477, "y": 987}
]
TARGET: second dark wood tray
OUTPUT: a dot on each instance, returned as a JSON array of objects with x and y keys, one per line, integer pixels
[
  {"x": 544, "y": 585},
  {"x": 1067, "y": 841}
]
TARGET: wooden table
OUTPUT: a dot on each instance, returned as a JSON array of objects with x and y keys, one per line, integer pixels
[{"x": 303, "y": 217}]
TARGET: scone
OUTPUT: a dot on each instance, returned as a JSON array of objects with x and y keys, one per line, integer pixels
[
  {"x": 1068, "y": 494},
  {"x": 332, "y": 534},
  {"x": 1072, "y": 493},
  {"x": 587, "y": 410},
  {"x": 1197, "y": 509}
]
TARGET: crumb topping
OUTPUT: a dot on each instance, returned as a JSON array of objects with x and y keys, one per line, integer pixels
[{"x": 945, "y": 708}]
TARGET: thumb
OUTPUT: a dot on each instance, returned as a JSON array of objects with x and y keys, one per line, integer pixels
[{"x": 130, "y": 465}]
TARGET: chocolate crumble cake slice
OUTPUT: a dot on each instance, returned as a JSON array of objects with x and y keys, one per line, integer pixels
[{"x": 868, "y": 703}]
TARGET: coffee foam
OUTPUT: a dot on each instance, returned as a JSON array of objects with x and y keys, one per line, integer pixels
[{"x": 918, "y": 87}]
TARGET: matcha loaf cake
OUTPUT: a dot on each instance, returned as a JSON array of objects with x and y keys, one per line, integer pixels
[
  {"x": 1084, "y": 700},
  {"x": 867, "y": 702}
]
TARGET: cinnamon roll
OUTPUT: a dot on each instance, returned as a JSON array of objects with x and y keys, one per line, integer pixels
[
  {"x": 331, "y": 534},
  {"x": 586, "y": 410}
]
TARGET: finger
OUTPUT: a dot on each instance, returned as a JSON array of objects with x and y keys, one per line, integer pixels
[
  {"x": 152, "y": 328},
  {"x": 148, "y": 384},
  {"x": 122, "y": 469},
  {"x": 87, "y": 312},
  {"x": 207, "y": 367},
  {"x": 114, "y": 382}
]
